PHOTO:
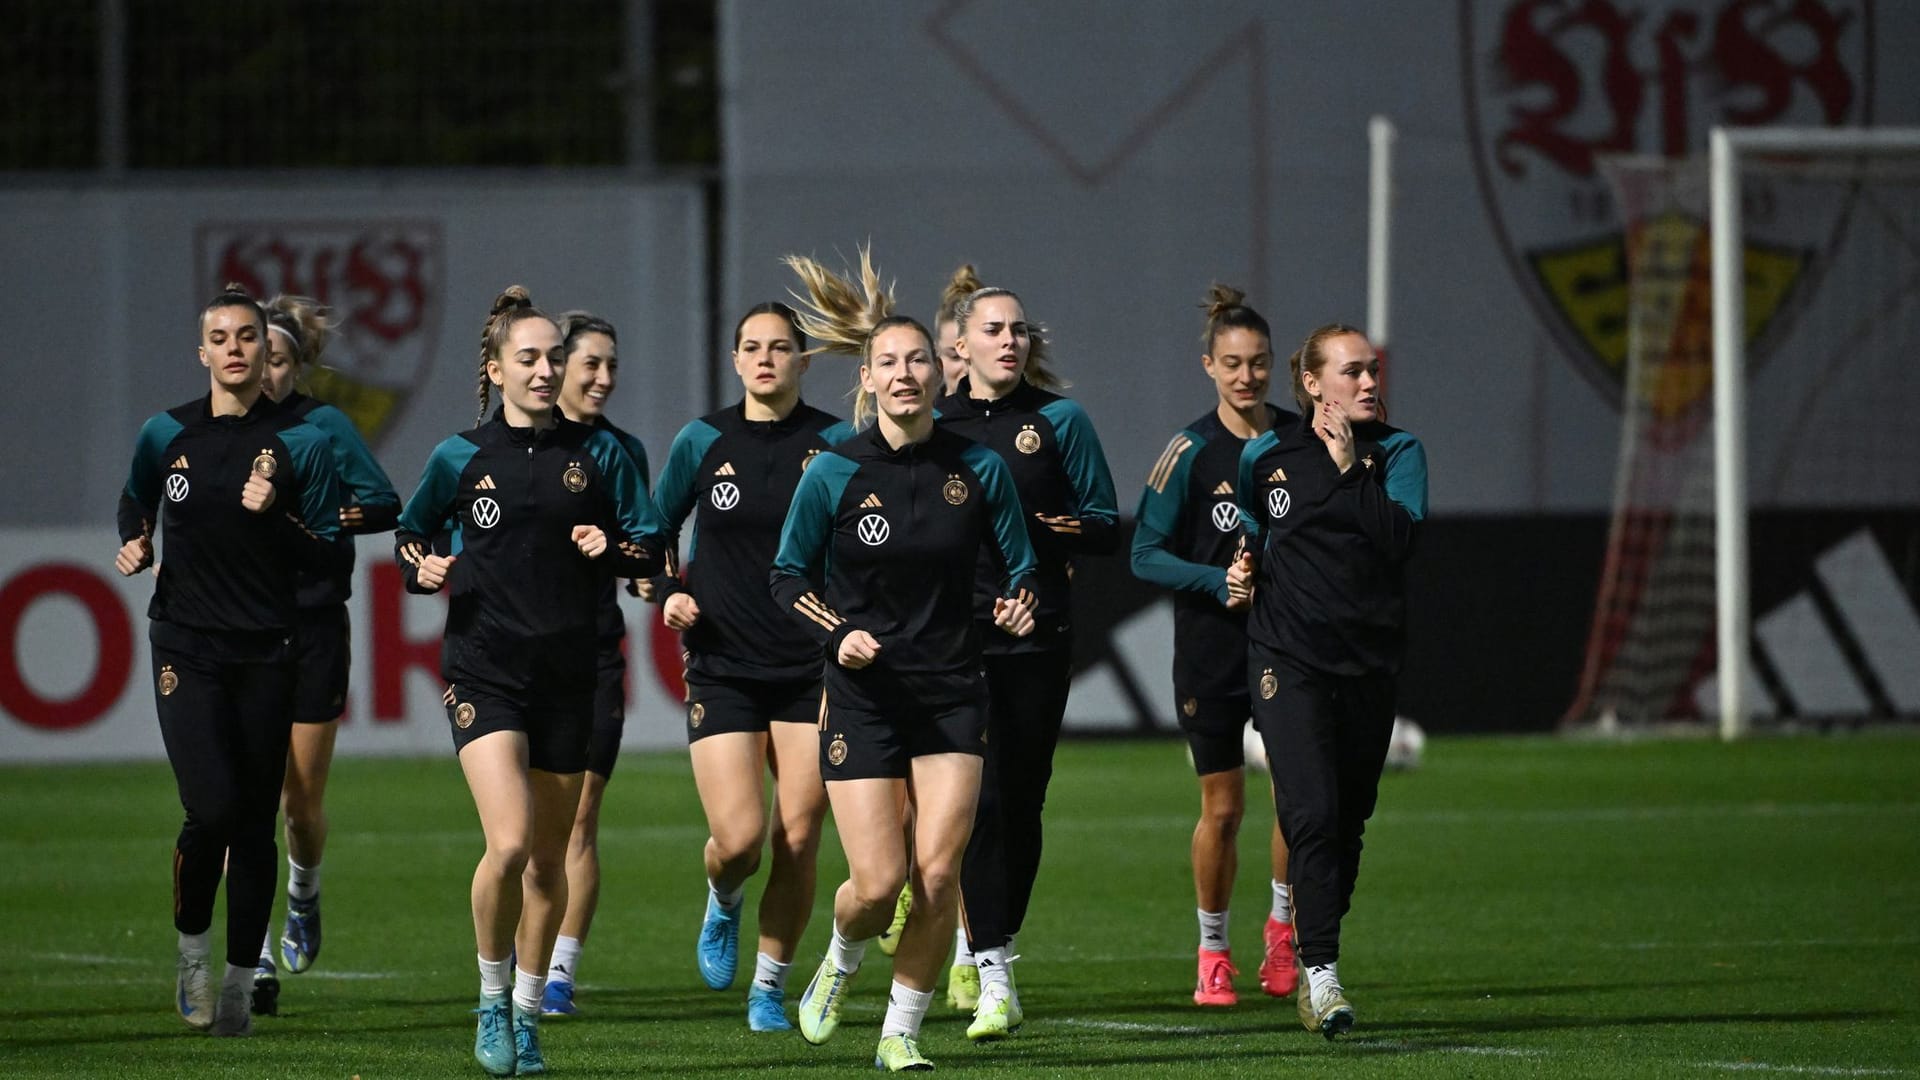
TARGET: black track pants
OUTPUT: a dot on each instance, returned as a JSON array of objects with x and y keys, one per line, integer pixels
[
  {"x": 1326, "y": 737},
  {"x": 226, "y": 726},
  {"x": 1029, "y": 700}
]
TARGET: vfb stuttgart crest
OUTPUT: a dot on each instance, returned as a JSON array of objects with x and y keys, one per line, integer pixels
[
  {"x": 385, "y": 280},
  {"x": 1553, "y": 86}
]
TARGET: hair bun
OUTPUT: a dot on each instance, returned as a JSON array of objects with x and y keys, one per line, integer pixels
[
  {"x": 512, "y": 297},
  {"x": 1220, "y": 298},
  {"x": 964, "y": 283}
]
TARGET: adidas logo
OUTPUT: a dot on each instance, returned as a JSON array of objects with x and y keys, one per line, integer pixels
[
  {"x": 1225, "y": 488},
  {"x": 725, "y": 469},
  {"x": 871, "y": 502},
  {"x": 486, "y": 483},
  {"x": 1279, "y": 476},
  {"x": 179, "y": 462}
]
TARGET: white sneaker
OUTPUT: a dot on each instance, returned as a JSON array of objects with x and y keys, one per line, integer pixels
[
  {"x": 193, "y": 991},
  {"x": 233, "y": 1015}
]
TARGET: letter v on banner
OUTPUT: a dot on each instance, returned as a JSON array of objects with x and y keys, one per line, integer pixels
[{"x": 393, "y": 651}]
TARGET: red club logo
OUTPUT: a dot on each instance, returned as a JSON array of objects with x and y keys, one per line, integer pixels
[
  {"x": 384, "y": 279},
  {"x": 1553, "y": 85}
]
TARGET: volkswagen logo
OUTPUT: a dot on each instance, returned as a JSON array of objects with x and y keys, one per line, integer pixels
[
  {"x": 1277, "y": 502},
  {"x": 725, "y": 495},
  {"x": 874, "y": 530},
  {"x": 176, "y": 486},
  {"x": 486, "y": 512},
  {"x": 1226, "y": 516}
]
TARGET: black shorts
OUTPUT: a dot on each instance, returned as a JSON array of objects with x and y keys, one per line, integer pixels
[
  {"x": 557, "y": 729},
  {"x": 1216, "y": 728},
  {"x": 863, "y": 744},
  {"x": 609, "y": 711},
  {"x": 322, "y": 653},
  {"x": 723, "y": 706}
]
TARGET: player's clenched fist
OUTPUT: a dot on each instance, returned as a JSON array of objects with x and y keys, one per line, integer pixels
[
  {"x": 135, "y": 555},
  {"x": 857, "y": 650},
  {"x": 591, "y": 541},
  {"x": 434, "y": 570}
]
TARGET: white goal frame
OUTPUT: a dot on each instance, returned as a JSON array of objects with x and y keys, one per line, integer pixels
[{"x": 1727, "y": 146}]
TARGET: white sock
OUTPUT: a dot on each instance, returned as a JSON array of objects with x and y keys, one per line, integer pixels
[
  {"x": 1282, "y": 902},
  {"x": 993, "y": 969},
  {"x": 1213, "y": 931},
  {"x": 266, "y": 947},
  {"x": 238, "y": 979},
  {"x": 728, "y": 901},
  {"x": 566, "y": 959},
  {"x": 1323, "y": 978},
  {"x": 303, "y": 882},
  {"x": 527, "y": 991},
  {"x": 493, "y": 977},
  {"x": 769, "y": 973},
  {"x": 846, "y": 955},
  {"x": 194, "y": 946},
  {"x": 906, "y": 1007},
  {"x": 962, "y": 952}
]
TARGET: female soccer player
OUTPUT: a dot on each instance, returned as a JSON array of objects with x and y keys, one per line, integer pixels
[
  {"x": 298, "y": 329},
  {"x": 1337, "y": 497},
  {"x": 246, "y": 497},
  {"x": 592, "y": 372},
  {"x": 1186, "y": 533},
  {"x": 543, "y": 512},
  {"x": 753, "y": 676},
  {"x": 946, "y": 328},
  {"x": 892, "y": 519},
  {"x": 1004, "y": 403}
]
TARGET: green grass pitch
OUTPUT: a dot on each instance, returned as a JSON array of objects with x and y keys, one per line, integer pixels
[{"x": 1527, "y": 907}]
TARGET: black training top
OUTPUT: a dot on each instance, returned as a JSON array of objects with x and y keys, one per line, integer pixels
[
  {"x": 223, "y": 567},
  {"x": 523, "y": 600},
  {"x": 1329, "y": 592},
  {"x": 1060, "y": 472},
  {"x": 363, "y": 487},
  {"x": 736, "y": 477},
  {"x": 893, "y": 534},
  {"x": 612, "y": 624},
  {"x": 1185, "y": 535}
]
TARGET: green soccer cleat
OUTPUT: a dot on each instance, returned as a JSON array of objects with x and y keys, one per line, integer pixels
[
  {"x": 998, "y": 1015},
  {"x": 890, "y": 937},
  {"x": 820, "y": 1004},
  {"x": 963, "y": 987},
  {"x": 900, "y": 1053},
  {"x": 493, "y": 1035}
]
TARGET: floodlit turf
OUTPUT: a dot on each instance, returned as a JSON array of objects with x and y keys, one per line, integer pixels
[{"x": 1528, "y": 907}]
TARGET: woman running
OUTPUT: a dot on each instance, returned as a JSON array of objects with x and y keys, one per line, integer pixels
[
  {"x": 245, "y": 497},
  {"x": 876, "y": 563},
  {"x": 592, "y": 373},
  {"x": 298, "y": 329},
  {"x": 1333, "y": 501},
  {"x": 543, "y": 512},
  {"x": 753, "y": 675},
  {"x": 1186, "y": 532},
  {"x": 1005, "y": 403}
]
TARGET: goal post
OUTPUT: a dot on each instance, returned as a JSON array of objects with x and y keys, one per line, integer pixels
[{"x": 1727, "y": 149}]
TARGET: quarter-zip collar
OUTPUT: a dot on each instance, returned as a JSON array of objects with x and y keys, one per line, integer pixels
[
  {"x": 524, "y": 436},
  {"x": 768, "y": 429},
  {"x": 1019, "y": 398}
]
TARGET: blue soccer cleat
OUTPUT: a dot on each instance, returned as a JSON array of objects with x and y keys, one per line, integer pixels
[
  {"x": 767, "y": 1009},
  {"x": 300, "y": 940},
  {"x": 558, "y": 999},
  {"x": 719, "y": 949}
]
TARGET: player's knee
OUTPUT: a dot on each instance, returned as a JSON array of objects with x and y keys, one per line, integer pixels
[
  {"x": 739, "y": 849},
  {"x": 1222, "y": 821},
  {"x": 507, "y": 856},
  {"x": 938, "y": 883}
]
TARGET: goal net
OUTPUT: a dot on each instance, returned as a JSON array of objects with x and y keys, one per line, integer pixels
[{"x": 1830, "y": 246}]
